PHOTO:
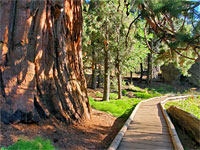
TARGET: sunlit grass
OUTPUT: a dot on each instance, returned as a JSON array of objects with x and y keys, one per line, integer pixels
[
  {"x": 122, "y": 107},
  {"x": 191, "y": 105},
  {"x": 118, "y": 108},
  {"x": 143, "y": 93},
  {"x": 111, "y": 96},
  {"x": 146, "y": 95},
  {"x": 99, "y": 95},
  {"x": 164, "y": 89},
  {"x": 36, "y": 144}
]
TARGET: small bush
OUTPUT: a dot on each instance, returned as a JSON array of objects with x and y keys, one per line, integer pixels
[
  {"x": 114, "y": 84},
  {"x": 113, "y": 96},
  {"x": 36, "y": 144},
  {"x": 99, "y": 95},
  {"x": 124, "y": 92}
]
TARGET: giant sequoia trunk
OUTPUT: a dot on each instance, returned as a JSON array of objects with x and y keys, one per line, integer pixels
[{"x": 41, "y": 71}]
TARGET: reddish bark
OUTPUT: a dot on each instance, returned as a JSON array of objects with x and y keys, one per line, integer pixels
[{"x": 41, "y": 59}]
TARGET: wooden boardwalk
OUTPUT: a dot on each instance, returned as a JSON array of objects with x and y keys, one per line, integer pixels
[{"x": 148, "y": 130}]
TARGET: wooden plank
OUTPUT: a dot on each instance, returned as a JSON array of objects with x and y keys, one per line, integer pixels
[
  {"x": 152, "y": 142},
  {"x": 150, "y": 122},
  {"x": 136, "y": 146},
  {"x": 148, "y": 127},
  {"x": 148, "y": 130},
  {"x": 146, "y": 141}
]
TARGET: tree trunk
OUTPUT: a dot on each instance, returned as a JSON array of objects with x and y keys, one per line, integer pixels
[
  {"x": 41, "y": 70},
  {"x": 131, "y": 76},
  {"x": 155, "y": 72},
  {"x": 106, "y": 76},
  {"x": 149, "y": 70},
  {"x": 94, "y": 67},
  {"x": 119, "y": 78},
  {"x": 141, "y": 72},
  {"x": 99, "y": 77}
]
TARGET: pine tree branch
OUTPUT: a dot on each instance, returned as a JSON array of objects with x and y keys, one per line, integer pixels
[
  {"x": 198, "y": 3},
  {"x": 129, "y": 28},
  {"x": 178, "y": 52}
]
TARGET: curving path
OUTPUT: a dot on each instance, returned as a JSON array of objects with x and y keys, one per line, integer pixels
[{"x": 148, "y": 130}]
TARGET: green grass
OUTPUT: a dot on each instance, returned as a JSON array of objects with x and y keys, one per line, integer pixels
[
  {"x": 36, "y": 144},
  {"x": 146, "y": 95},
  {"x": 164, "y": 89},
  {"x": 112, "y": 95},
  {"x": 191, "y": 105},
  {"x": 99, "y": 95},
  {"x": 122, "y": 107},
  {"x": 118, "y": 108},
  {"x": 133, "y": 88}
]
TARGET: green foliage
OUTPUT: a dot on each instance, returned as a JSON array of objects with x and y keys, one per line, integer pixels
[
  {"x": 164, "y": 89},
  {"x": 175, "y": 39},
  {"x": 36, "y": 144},
  {"x": 190, "y": 92},
  {"x": 113, "y": 96},
  {"x": 99, "y": 95},
  {"x": 146, "y": 95},
  {"x": 114, "y": 84},
  {"x": 135, "y": 89},
  {"x": 105, "y": 20},
  {"x": 191, "y": 105},
  {"x": 118, "y": 108},
  {"x": 124, "y": 92}
]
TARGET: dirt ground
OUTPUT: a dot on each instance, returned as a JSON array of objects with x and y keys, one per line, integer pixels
[{"x": 96, "y": 133}]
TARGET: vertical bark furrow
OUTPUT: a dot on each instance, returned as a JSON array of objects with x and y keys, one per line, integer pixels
[
  {"x": 13, "y": 12},
  {"x": 2, "y": 85},
  {"x": 46, "y": 71}
]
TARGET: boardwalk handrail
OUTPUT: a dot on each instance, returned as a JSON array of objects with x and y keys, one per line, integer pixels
[
  {"x": 115, "y": 143},
  {"x": 174, "y": 136}
]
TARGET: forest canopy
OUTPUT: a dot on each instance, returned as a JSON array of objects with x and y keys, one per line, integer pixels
[{"x": 176, "y": 23}]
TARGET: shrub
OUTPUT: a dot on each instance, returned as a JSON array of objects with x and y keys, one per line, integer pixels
[
  {"x": 114, "y": 84},
  {"x": 124, "y": 92},
  {"x": 99, "y": 95},
  {"x": 113, "y": 96}
]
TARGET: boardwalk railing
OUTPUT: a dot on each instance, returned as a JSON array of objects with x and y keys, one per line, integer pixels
[
  {"x": 174, "y": 136},
  {"x": 115, "y": 143},
  {"x": 175, "y": 139}
]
